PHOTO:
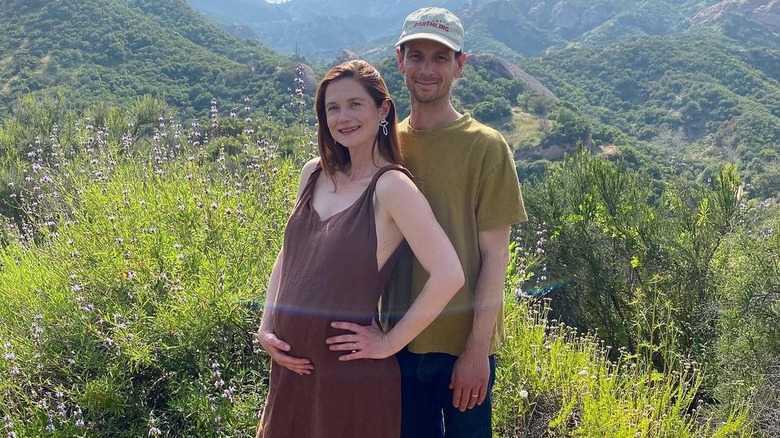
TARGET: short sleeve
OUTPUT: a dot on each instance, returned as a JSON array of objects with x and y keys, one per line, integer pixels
[{"x": 499, "y": 199}]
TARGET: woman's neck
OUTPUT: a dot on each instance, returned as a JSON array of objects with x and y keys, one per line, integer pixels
[{"x": 364, "y": 163}]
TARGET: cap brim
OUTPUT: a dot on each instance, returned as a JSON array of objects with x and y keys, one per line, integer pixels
[{"x": 428, "y": 36}]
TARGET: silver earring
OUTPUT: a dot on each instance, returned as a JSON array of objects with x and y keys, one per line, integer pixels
[{"x": 383, "y": 125}]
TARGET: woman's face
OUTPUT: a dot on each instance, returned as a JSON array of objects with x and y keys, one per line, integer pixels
[{"x": 353, "y": 117}]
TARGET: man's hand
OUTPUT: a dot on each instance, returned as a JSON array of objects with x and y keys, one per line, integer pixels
[
  {"x": 276, "y": 348},
  {"x": 469, "y": 382}
]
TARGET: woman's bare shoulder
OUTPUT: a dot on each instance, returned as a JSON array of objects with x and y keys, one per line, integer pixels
[{"x": 395, "y": 186}]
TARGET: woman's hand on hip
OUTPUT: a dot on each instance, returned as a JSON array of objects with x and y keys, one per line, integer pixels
[{"x": 365, "y": 342}]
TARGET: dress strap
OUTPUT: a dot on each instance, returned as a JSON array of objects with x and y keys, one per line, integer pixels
[
  {"x": 368, "y": 202},
  {"x": 308, "y": 189},
  {"x": 382, "y": 170}
]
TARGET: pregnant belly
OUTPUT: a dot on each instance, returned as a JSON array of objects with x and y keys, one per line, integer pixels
[{"x": 302, "y": 318}]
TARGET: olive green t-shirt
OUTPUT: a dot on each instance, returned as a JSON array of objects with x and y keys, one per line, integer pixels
[{"x": 467, "y": 172}]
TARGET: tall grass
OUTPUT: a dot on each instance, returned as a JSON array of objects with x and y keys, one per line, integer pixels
[
  {"x": 129, "y": 305},
  {"x": 554, "y": 382}
]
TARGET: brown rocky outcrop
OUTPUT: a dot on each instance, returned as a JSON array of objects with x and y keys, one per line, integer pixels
[
  {"x": 501, "y": 68},
  {"x": 346, "y": 55},
  {"x": 766, "y": 12}
]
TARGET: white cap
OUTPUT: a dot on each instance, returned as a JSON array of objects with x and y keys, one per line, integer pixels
[{"x": 437, "y": 24}]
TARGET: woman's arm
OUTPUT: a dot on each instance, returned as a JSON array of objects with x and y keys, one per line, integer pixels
[
  {"x": 276, "y": 347},
  {"x": 408, "y": 209}
]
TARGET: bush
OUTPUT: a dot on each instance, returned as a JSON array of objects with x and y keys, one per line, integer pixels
[
  {"x": 748, "y": 341},
  {"x": 129, "y": 311}
]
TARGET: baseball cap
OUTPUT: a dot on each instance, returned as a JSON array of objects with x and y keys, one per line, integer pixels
[{"x": 437, "y": 24}]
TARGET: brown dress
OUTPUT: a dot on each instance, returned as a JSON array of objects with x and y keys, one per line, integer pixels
[{"x": 329, "y": 273}]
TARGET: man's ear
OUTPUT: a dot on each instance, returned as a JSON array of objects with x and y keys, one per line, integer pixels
[
  {"x": 400, "y": 58},
  {"x": 461, "y": 62}
]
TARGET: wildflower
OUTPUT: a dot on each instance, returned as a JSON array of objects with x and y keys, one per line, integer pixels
[
  {"x": 523, "y": 393},
  {"x": 153, "y": 431}
]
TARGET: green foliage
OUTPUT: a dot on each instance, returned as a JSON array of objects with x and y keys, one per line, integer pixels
[
  {"x": 637, "y": 273},
  {"x": 748, "y": 345},
  {"x": 554, "y": 382},
  {"x": 717, "y": 98},
  {"x": 597, "y": 215},
  {"x": 113, "y": 51},
  {"x": 569, "y": 128},
  {"x": 492, "y": 111},
  {"x": 132, "y": 291}
]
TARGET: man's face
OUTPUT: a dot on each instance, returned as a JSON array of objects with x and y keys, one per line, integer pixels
[{"x": 429, "y": 68}]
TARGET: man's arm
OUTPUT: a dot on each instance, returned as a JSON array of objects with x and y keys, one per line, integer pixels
[{"x": 472, "y": 369}]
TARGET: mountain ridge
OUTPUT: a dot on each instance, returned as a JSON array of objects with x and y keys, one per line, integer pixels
[{"x": 112, "y": 50}]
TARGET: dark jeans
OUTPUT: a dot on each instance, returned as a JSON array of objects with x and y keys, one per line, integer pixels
[{"x": 426, "y": 399}]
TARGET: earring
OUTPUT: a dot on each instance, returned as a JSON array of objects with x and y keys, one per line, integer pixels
[{"x": 383, "y": 125}]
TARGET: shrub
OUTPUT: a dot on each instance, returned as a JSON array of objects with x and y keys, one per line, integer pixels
[{"x": 130, "y": 310}]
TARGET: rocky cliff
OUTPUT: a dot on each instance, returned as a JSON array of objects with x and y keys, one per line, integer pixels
[{"x": 766, "y": 12}]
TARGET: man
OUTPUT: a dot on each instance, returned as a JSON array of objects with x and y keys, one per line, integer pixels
[{"x": 467, "y": 172}]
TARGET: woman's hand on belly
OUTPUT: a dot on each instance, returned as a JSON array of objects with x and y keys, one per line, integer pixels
[{"x": 277, "y": 349}]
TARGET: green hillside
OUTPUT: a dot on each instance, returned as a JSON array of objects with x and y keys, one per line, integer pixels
[
  {"x": 701, "y": 93},
  {"x": 696, "y": 96},
  {"x": 113, "y": 51}
]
